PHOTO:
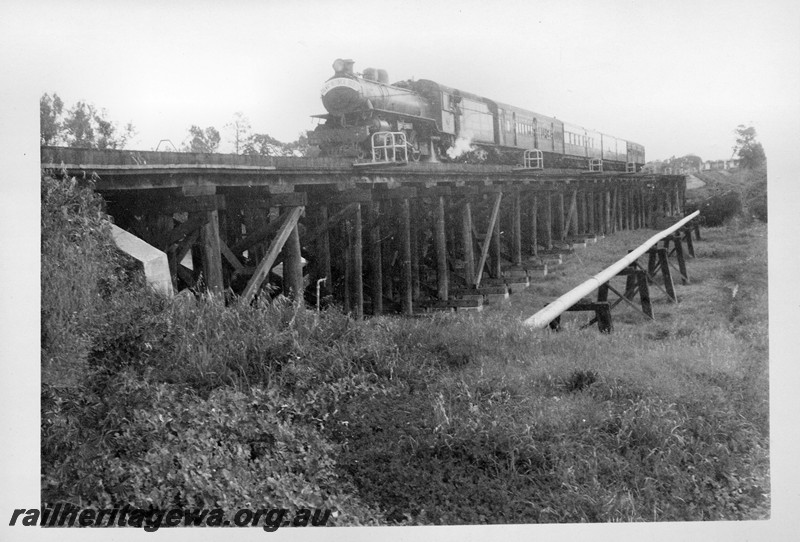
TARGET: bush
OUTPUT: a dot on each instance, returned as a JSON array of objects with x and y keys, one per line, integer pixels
[
  {"x": 78, "y": 257},
  {"x": 717, "y": 210},
  {"x": 755, "y": 196},
  {"x": 156, "y": 446}
]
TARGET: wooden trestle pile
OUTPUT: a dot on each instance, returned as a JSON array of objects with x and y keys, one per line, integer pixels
[{"x": 386, "y": 239}]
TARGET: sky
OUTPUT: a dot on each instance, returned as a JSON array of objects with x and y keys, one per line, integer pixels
[{"x": 677, "y": 77}]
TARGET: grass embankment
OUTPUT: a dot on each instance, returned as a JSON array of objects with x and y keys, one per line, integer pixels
[{"x": 456, "y": 418}]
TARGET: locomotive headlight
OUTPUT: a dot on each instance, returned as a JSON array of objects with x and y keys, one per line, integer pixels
[{"x": 338, "y": 65}]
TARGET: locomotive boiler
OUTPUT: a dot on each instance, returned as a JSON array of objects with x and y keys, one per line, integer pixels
[{"x": 445, "y": 124}]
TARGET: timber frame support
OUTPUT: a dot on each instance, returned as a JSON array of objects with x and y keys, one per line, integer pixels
[{"x": 386, "y": 238}]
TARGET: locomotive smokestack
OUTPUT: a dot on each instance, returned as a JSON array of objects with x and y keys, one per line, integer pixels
[{"x": 343, "y": 66}]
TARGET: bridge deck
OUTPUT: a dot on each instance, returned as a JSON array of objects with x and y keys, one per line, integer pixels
[{"x": 135, "y": 170}]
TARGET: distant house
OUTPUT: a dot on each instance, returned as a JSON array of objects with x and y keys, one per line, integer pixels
[
  {"x": 732, "y": 163},
  {"x": 685, "y": 165},
  {"x": 653, "y": 167},
  {"x": 720, "y": 164},
  {"x": 688, "y": 165}
]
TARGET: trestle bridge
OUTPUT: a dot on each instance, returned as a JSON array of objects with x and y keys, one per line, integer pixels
[{"x": 384, "y": 237}]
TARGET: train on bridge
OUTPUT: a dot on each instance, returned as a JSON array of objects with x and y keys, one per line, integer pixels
[{"x": 446, "y": 124}]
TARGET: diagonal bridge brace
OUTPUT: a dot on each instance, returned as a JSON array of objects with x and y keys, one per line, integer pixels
[{"x": 288, "y": 222}]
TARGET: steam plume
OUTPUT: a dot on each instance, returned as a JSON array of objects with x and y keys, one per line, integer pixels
[{"x": 462, "y": 145}]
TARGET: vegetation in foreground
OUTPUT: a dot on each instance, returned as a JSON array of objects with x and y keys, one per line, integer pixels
[{"x": 453, "y": 419}]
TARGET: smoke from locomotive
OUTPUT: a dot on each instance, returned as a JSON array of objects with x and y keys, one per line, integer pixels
[{"x": 443, "y": 123}]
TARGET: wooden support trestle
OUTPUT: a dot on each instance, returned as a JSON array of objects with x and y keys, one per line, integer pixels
[
  {"x": 601, "y": 309},
  {"x": 288, "y": 223},
  {"x": 384, "y": 239},
  {"x": 657, "y": 260}
]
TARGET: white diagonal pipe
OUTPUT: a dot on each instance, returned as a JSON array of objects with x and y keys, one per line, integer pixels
[{"x": 554, "y": 309}]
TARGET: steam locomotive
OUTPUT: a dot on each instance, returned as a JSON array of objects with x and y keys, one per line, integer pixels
[{"x": 444, "y": 124}]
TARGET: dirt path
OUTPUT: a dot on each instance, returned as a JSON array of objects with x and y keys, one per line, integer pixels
[{"x": 693, "y": 182}]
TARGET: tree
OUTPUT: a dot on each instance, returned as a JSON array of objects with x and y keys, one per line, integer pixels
[
  {"x": 300, "y": 146},
  {"x": 263, "y": 145},
  {"x": 82, "y": 126},
  {"x": 200, "y": 140},
  {"x": 78, "y": 126},
  {"x": 240, "y": 127},
  {"x": 109, "y": 136},
  {"x": 750, "y": 152},
  {"x": 266, "y": 145},
  {"x": 50, "y": 121}
]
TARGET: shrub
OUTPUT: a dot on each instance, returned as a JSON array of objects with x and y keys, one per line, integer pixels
[
  {"x": 717, "y": 210},
  {"x": 157, "y": 446},
  {"x": 78, "y": 257},
  {"x": 755, "y": 196}
]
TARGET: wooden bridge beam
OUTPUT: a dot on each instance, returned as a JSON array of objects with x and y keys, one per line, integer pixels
[
  {"x": 288, "y": 222},
  {"x": 293, "y": 267},
  {"x": 323, "y": 259},
  {"x": 212, "y": 254},
  {"x": 440, "y": 246},
  {"x": 467, "y": 241},
  {"x": 487, "y": 240},
  {"x": 534, "y": 211},
  {"x": 358, "y": 264},
  {"x": 571, "y": 222},
  {"x": 561, "y": 231},
  {"x": 376, "y": 263},
  {"x": 407, "y": 287},
  {"x": 548, "y": 221},
  {"x": 516, "y": 229},
  {"x": 414, "y": 246}
]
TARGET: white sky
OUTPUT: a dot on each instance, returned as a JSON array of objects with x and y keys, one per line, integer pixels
[{"x": 676, "y": 76}]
